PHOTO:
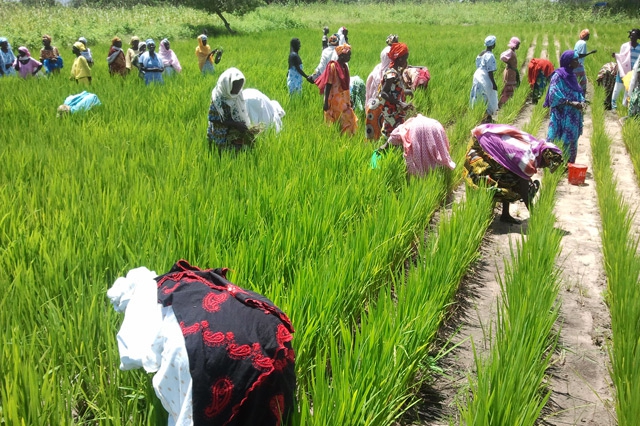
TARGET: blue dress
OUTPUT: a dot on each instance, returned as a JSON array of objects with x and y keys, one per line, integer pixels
[
  {"x": 294, "y": 78},
  {"x": 565, "y": 121},
  {"x": 151, "y": 62}
]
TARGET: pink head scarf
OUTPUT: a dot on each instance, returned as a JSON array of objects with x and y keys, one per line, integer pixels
[{"x": 513, "y": 42}]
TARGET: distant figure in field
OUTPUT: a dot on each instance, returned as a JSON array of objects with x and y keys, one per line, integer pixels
[
  {"x": 511, "y": 76},
  {"x": 295, "y": 74},
  {"x": 505, "y": 159},
  {"x": 132, "y": 51},
  {"x": 151, "y": 64},
  {"x": 328, "y": 54},
  {"x": 27, "y": 66},
  {"x": 567, "y": 103},
  {"x": 81, "y": 102},
  {"x": 538, "y": 73},
  {"x": 50, "y": 57},
  {"x": 325, "y": 38},
  {"x": 581, "y": 49},
  {"x": 343, "y": 36},
  {"x": 135, "y": 62},
  {"x": 607, "y": 79},
  {"x": 424, "y": 144},
  {"x": 115, "y": 59},
  {"x": 169, "y": 58},
  {"x": 634, "y": 90},
  {"x": 221, "y": 354},
  {"x": 263, "y": 111},
  {"x": 229, "y": 123},
  {"x": 334, "y": 85},
  {"x": 80, "y": 70},
  {"x": 626, "y": 59},
  {"x": 86, "y": 52},
  {"x": 484, "y": 84},
  {"x": 206, "y": 56},
  {"x": 7, "y": 59},
  {"x": 357, "y": 92}
]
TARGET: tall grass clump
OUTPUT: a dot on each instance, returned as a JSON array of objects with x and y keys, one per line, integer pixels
[
  {"x": 631, "y": 135},
  {"x": 622, "y": 266}
]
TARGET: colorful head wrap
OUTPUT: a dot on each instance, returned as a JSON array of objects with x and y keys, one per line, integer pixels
[
  {"x": 115, "y": 40},
  {"x": 584, "y": 33},
  {"x": 513, "y": 42},
  {"x": 80, "y": 46},
  {"x": 134, "y": 38},
  {"x": 392, "y": 38},
  {"x": 165, "y": 42},
  {"x": 333, "y": 40},
  {"x": 397, "y": 50},
  {"x": 343, "y": 48},
  {"x": 490, "y": 41},
  {"x": 150, "y": 42},
  {"x": 3, "y": 40},
  {"x": 47, "y": 38},
  {"x": 83, "y": 41}
]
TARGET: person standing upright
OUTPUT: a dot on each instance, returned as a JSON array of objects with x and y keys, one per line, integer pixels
[
  {"x": 626, "y": 59},
  {"x": 581, "y": 49}
]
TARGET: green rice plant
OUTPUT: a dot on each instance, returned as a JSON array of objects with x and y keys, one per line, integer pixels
[
  {"x": 630, "y": 134},
  {"x": 622, "y": 265}
]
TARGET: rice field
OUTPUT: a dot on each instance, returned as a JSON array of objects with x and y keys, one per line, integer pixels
[{"x": 367, "y": 263}]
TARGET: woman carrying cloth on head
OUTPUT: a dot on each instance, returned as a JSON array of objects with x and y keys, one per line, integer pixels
[
  {"x": 505, "y": 158},
  {"x": 334, "y": 85},
  {"x": 567, "y": 103}
]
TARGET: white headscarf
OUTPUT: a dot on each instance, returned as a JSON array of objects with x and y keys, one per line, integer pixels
[{"x": 222, "y": 94}]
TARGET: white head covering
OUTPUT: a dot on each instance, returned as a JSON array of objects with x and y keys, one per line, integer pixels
[
  {"x": 222, "y": 94},
  {"x": 490, "y": 41}
]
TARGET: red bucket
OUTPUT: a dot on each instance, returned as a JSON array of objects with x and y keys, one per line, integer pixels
[{"x": 577, "y": 173}]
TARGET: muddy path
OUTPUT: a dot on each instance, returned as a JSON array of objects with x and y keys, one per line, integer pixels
[{"x": 579, "y": 378}]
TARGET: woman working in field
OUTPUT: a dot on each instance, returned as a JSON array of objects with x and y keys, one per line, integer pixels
[
  {"x": 424, "y": 144},
  {"x": 132, "y": 51},
  {"x": 206, "y": 56},
  {"x": 581, "y": 50},
  {"x": 538, "y": 73},
  {"x": 484, "y": 84},
  {"x": 27, "y": 66},
  {"x": 80, "y": 70},
  {"x": 135, "y": 62},
  {"x": 49, "y": 56},
  {"x": 511, "y": 74},
  {"x": 626, "y": 59},
  {"x": 169, "y": 58},
  {"x": 151, "y": 64},
  {"x": 229, "y": 123},
  {"x": 7, "y": 59},
  {"x": 221, "y": 354},
  {"x": 393, "y": 94},
  {"x": 86, "y": 52},
  {"x": 567, "y": 103},
  {"x": 334, "y": 85},
  {"x": 116, "y": 60},
  {"x": 505, "y": 158},
  {"x": 295, "y": 74}
]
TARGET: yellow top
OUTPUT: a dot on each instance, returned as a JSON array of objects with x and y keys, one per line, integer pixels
[{"x": 80, "y": 68}]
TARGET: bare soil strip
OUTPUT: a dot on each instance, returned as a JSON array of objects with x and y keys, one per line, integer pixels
[{"x": 579, "y": 380}]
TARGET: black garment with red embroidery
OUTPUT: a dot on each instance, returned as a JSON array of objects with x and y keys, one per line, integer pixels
[{"x": 239, "y": 347}]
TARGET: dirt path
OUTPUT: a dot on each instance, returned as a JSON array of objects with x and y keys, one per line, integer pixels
[{"x": 579, "y": 380}]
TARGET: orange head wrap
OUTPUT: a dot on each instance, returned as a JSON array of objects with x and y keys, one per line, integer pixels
[
  {"x": 343, "y": 48},
  {"x": 397, "y": 50},
  {"x": 583, "y": 34}
]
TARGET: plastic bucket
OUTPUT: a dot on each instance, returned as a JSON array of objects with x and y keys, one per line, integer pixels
[{"x": 577, "y": 173}]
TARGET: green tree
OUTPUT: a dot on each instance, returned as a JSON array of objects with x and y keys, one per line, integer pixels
[{"x": 219, "y": 7}]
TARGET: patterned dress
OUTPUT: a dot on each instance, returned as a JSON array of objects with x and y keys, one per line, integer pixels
[
  {"x": 294, "y": 78},
  {"x": 51, "y": 59},
  {"x": 565, "y": 121},
  {"x": 391, "y": 112}
]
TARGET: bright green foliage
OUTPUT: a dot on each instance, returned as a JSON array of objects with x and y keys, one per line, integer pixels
[{"x": 622, "y": 265}]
